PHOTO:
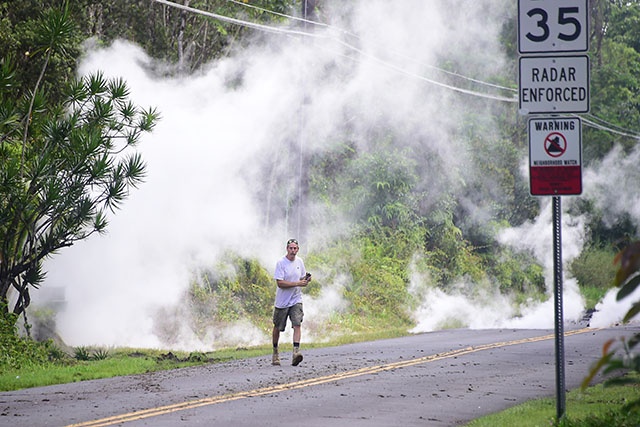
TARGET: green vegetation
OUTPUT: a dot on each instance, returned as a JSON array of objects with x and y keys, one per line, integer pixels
[
  {"x": 616, "y": 402},
  {"x": 41, "y": 364},
  {"x": 67, "y": 156},
  {"x": 106, "y": 364},
  {"x": 597, "y": 406},
  {"x": 58, "y": 162},
  {"x": 622, "y": 358},
  {"x": 594, "y": 269},
  {"x": 18, "y": 353}
]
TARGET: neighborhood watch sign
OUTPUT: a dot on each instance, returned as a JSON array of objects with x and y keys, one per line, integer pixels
[{"x": 555, "y": 156}]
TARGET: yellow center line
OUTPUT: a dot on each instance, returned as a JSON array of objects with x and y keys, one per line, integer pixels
[{"x": 153, "y": 412}]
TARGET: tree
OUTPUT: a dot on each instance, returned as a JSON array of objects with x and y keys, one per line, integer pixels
[
  {"x": 187, "y": 40},
  {"x": 68, "y": 158},
  {"x": 623, "y": 358}
]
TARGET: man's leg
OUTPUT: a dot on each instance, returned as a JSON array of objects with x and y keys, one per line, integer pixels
[
  {"x": 297, "y": 334},
  {"x": 275, "y": 359},
  {"x": 297, "y": 314},
  {"x": 297, "y": 356}
]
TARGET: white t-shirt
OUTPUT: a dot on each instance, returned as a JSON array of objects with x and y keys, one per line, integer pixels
[{"x": 291, "y": 271}]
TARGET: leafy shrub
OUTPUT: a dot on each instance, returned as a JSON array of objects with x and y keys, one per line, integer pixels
[
  {"x": 100, "y": 354},
  {"x": 379, "y": 270},
  {"x": 517, "y": 273},
  {"x": 594, "y": 270},
  {"x": 198, "y": 357},
  {"x": 594, "y": 267},
  {"x": 623, "y": 358},
  {"x": 448, "y": 250},
  {"x": 17, "y": 352},
  {"x": 56, "y": 354},
  {"x": 81, "y": 353},
  {"x": 236, "y": 288}
]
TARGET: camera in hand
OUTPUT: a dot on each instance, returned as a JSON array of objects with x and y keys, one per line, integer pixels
[{"x": 307, "y": 276}]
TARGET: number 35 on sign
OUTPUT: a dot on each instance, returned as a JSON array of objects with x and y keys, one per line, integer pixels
[{"x": 549, "y": 26}]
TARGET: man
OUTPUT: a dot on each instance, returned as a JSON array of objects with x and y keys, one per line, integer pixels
[{"x": 290, "y": 277}]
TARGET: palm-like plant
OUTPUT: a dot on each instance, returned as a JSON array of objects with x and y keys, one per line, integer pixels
[{"x": 63, "y": 164}]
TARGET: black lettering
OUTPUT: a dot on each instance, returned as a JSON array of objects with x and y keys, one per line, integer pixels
[
  {"x": 553, "y": 74},
  {"x": 553, "y": 94},
  {"x": 557, "y": 94},
  {"x": 534, "y": 74},
  {"x": 547, "y": 162},
  {"x": 582, "y": 94},
  {"x": 549, "y": 75}
]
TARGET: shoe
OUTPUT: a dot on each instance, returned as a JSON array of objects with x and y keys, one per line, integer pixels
[
  {"x": 275, "y": 360},
  {"x": 297, "y": 358}
]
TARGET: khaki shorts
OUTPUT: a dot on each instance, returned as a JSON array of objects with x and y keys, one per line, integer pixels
[{"x": 294, "y": 313}]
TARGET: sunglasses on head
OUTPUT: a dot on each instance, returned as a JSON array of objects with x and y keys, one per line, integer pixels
[{"x": 292, "y": 241}]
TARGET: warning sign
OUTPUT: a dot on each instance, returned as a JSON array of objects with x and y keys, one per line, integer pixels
[{"x": 555, "y": 156}]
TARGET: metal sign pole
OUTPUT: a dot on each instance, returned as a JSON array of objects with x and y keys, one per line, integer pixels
[
  {"x": 559, "y": 324},
  {"x": 548, "y": 27}
]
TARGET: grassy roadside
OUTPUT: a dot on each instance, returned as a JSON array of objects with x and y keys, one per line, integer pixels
[
  {"x": 96, "y": 363},
  {"x": 597, "y": 406},
  {"x": 117, "y": 363}
]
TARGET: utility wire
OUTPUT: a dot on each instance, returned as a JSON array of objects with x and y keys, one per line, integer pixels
[
  {"x": 343, "y": 43},
  {"x": 230, "y": 20},
  {"x": 393, "y": 51},
  {"x": 608, "y": 124},
  {"x": 590, "y": 122},
  {"x": 282, "y": 15},
  {"x": 608, "y": 129}
]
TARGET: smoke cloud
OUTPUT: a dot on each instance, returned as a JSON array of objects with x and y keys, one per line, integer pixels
[
  {"x": 242, "y": 126},
  {"x": 613, "y": 185},
  {"x": 480, "y": 306}
]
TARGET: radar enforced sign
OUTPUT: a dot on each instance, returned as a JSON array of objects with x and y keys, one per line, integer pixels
[
  {"x": 554, "y": 84},
  {"x": 555, "y": 156}
]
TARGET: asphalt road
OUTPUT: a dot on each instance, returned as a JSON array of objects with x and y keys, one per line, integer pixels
[{"x": 443, "y": 378}]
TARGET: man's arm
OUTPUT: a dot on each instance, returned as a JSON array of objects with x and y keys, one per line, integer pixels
[{"x": 286, "y": 284}]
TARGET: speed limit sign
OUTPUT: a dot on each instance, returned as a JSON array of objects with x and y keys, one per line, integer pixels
[{"x": 549, "y": 26}]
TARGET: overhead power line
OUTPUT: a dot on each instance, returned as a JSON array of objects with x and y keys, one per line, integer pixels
[
  {"x": 282, "y": 15},
  {"x": 595, "y": 125},
  {"x": 285, "y": 31},
  {"x": 592, "y": 121},
  {"x": 394, "y": 52},
  {"x": 230, "y": 20}
]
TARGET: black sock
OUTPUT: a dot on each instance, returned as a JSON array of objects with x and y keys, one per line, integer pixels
[{"x": 296, "y": 345}]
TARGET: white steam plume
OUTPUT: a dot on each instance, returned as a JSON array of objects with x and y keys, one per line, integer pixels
[
  {"x": 236, "y": 130},
  {"x": 481, "y": 306},
  {"x": 614, "y": 185},
  {"x": 537, "y": 237}
]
